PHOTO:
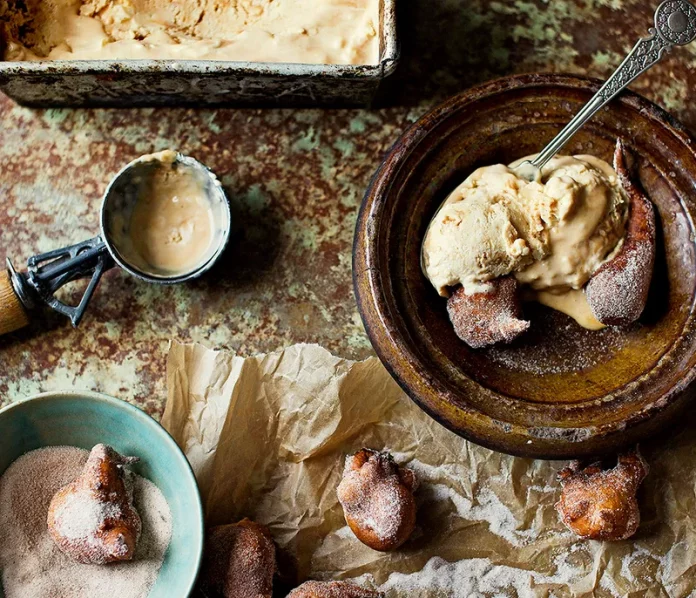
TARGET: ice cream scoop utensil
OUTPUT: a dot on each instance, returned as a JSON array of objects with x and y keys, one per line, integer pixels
[
  {"x": 46, "y": 273},
  {"x": 675, "y": 25}
]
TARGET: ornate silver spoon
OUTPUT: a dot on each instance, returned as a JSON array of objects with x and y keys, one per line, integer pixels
[{"x": 675, "y": 25}]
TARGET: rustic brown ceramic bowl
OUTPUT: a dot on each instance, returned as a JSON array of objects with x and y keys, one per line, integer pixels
[{"x": 559, "y": 391}]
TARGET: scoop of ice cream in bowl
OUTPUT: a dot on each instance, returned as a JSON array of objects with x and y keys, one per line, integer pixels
[
  {"x": 549, "y": 235},
  {"x": 446, "y": 221}
]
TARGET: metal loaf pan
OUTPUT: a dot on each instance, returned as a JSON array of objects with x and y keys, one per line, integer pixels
[{"x": 201, "y": 82}]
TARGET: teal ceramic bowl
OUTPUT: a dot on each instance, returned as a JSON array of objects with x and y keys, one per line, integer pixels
[{"x": 84, "y": 419}]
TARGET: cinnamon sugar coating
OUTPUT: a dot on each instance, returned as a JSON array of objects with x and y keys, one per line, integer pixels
[
  {"x": 377, "y": 499},
  {"x": 601, "y": 504},
  {"x": 618, "y": 291},
  {"x": 239, "y": 561},
  {"x": 332, "y": 589},
  {"x": 93, "y": 519},
  {"x": 490, "y": 317}
]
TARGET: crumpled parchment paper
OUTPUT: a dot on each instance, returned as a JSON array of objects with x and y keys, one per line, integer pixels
[{"x": 267, "y": 436}]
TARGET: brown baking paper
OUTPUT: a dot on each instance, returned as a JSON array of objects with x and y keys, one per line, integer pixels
[{"x": 267, "y": 437}]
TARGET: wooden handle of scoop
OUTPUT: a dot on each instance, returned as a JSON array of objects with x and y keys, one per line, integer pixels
[{"x": 12, "y": 313}]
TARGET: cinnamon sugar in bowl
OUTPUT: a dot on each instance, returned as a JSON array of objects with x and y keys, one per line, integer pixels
[
  {"x": 60, "y": 424},
  {"x": 558, "y": 391}
]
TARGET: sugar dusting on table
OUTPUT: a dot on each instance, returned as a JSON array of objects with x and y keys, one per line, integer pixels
[
  {"x": 486, "y": 578},
  {"x": 31, "y": 563}
]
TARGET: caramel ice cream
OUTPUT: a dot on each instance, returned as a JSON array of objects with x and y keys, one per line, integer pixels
[
  {"x": 550, "y": 235},
  {"x": 297, "y": 31}
]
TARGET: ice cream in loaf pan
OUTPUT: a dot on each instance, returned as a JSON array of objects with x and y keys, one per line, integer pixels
[{"x": 292, "y": 31}]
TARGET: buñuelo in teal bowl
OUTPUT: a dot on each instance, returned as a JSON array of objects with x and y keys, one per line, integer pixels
[{"x": 84, "y": 419}]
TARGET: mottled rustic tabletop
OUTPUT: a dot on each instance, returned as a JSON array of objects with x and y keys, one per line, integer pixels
[{"x": 295, "y": 179}]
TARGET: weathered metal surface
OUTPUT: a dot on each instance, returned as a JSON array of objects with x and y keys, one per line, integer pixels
[
  {"x": 295, "y": 179},
  {"x": 200, "y": 83}
]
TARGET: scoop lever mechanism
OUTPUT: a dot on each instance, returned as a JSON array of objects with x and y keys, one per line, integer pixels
[{"x": 47, "y": 272}]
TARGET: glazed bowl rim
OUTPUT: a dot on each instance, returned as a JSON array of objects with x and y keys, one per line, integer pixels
[
  {"x": 386, "y": 336},
  {"x": 157, "y": 428}
]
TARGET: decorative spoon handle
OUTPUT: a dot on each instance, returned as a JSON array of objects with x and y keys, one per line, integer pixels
[{"x": 675, "y": 25}]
